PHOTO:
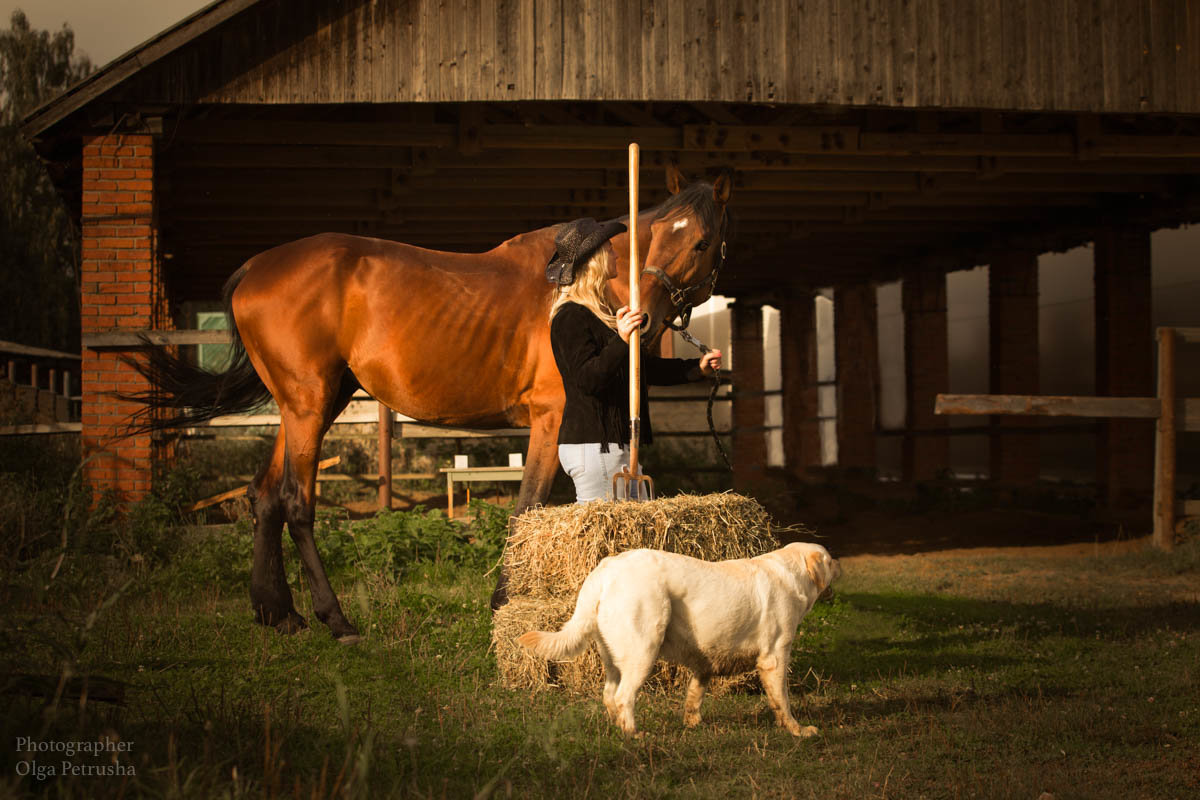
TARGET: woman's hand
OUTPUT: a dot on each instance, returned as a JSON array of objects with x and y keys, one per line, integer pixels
[
  {"x": 628, "y": 321},
  {"x": 710, "y": 362}
]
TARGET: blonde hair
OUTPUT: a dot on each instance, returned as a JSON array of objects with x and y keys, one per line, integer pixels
[{"x": 590, "y": 289}]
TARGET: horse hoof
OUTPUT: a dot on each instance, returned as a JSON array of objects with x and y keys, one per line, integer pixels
[
  {"x": 349, "y": 639},
  {"x": 291, "y": 624}
]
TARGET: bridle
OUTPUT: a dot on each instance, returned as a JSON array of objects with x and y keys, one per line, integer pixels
[
  {"x": 681, "y": 301},
  {"x": 681, "y": 295}
]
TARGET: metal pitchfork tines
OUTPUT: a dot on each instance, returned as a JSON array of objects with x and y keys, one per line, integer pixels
[{"x": 630, "y": 483}]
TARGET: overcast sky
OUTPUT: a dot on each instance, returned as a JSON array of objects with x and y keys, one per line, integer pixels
[{"x": 104, "y": 29}]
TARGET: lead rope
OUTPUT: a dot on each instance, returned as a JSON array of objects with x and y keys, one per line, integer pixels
[{"x": 712, "y": 395}]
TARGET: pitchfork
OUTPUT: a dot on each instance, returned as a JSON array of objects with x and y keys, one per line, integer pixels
[{"x": 630, "y": 483}]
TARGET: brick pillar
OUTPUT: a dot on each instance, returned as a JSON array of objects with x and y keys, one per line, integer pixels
[
  {"x": 1124, "y": 363},
  {"x": 926, "y": 372},
  {"x": 856, "y": 343},
  {"x": 798, "y": 364},
  {"x": 121, "y": 290},
  {"x": 1013, "y": 341},
  {"x": 749, "y": 402}
]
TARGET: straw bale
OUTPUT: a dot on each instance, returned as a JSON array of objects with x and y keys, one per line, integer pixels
[
  {"x": 521, "y": 669},
  {"x": 552, "y": 550}
]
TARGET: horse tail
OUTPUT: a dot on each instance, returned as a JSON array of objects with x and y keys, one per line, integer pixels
[{"x": 184, "y": 394}]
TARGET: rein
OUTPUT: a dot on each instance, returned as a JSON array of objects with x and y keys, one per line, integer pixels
[
  {"x": 712, "y": 396},
  {"x": 683, "y": 311}
]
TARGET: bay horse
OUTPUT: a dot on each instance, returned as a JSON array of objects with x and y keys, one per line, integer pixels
[{"x": 446, "y": 338}]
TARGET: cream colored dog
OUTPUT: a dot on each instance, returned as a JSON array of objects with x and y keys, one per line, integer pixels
[{"x": 715, "y": 618}]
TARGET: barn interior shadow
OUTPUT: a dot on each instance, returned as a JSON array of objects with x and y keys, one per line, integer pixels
[{"x": 857, "y": 515}]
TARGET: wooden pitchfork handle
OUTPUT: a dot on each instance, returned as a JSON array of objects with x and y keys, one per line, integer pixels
[{"x": 631, "y": 476}]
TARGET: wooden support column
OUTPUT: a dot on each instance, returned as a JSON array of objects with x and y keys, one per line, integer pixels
[
  {"x": 1013, "y": 338},
  {"x": 749, "y": 401},
  {"x": 856, "y": 342},
  {"x": 798, "y": 364},
  {"x": 927, "y": 372},
  {"x": 1124, "y": 363},
  {"x": 120, "y": 289}
]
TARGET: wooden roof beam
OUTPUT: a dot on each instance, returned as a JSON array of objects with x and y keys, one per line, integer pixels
[{"x": 842, "y": 139}]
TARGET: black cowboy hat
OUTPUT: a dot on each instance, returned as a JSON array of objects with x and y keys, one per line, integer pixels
[{"x": 574, "y": 244}]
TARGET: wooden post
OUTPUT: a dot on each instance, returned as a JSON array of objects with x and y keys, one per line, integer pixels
[
  {"x": 385, "y": 457},
  {"x": 12, "y": 371},
  {"x": 1013, "y": 341},
  {"x": 33, "y": 375},
  {"x": 926, "y": 452},
  {"x": 749, "y": 401},
  {"x": 798, "y": 363},
  {"x": 1164, "y": 444},
  {"x": 1124, "y": 365},
  {"x": 856, "y": 353}
]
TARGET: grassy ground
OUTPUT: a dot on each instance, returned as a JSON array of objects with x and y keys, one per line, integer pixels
[{"x": 994, "y": 674}]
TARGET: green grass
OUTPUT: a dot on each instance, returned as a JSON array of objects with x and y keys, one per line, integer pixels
[{"x": 990, "y": 676}]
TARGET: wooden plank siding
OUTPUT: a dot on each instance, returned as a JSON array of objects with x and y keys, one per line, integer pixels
[{"x": 1066, "y": 55}]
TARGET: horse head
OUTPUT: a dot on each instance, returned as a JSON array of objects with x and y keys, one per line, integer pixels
[{"x": 684, "y": 246}]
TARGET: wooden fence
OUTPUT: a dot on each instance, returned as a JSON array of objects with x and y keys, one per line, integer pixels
[
  {"x": 37, "y": 386},
  {"x": 1173, "y": 415}
]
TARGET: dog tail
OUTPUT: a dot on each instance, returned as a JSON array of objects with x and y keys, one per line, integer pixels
[{"x": 576, "y": 634}]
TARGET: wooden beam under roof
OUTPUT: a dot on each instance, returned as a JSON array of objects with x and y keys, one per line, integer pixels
[
  {"x": 805, "y": 140},
  {"x": 180, "y": 156}
]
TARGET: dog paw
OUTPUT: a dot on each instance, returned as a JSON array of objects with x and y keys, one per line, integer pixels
[
  {"x": 806, "y": 732},
  {"x": 691, "y": 720}
]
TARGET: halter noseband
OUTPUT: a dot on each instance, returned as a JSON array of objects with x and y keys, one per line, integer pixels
[{"x": 679, "y": 295}]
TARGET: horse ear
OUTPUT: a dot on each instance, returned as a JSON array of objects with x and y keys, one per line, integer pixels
[
  {"x": 675, "y": 179},
  {"x": 722, "y": 188}
]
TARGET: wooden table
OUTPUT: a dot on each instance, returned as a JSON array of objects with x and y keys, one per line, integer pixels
[{"x": 470, "y": 474}]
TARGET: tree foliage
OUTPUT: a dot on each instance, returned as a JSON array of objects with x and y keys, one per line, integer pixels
[{"x": 39, "y": 244}]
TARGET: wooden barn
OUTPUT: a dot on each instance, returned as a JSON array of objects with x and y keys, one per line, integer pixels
[{"x": 872, "y": 141}]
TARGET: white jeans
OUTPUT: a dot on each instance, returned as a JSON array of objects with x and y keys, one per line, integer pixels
[{"x": 592, "y": 470}]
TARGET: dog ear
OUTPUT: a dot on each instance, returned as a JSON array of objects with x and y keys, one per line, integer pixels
[{"x": 816, "y": 571}]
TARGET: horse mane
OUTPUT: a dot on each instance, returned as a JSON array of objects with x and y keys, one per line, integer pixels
[{"x": 696, "y": 197}]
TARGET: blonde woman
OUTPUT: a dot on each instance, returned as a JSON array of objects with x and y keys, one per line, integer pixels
[{"x": 591, "y": 348}]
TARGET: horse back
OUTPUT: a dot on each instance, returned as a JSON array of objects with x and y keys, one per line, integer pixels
[{"x": 449, "y": 337}]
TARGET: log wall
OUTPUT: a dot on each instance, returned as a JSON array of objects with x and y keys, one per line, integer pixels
[{"x": 1066, "y": 55}]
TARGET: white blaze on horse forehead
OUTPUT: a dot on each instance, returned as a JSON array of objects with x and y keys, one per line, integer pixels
[{"x": 680, "y": 224}]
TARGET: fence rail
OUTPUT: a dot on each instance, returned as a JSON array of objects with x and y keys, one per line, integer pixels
[{"x": 1173, "y": 415}]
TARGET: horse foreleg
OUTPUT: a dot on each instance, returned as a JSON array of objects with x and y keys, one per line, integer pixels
[
  {"x": 541, "y": 464},
  {"x": 270, "y": 596},
  {"x": 304, "y": 434}
]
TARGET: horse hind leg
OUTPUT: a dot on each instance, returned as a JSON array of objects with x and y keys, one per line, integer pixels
[
  {"x": 270, "y": 595},
  {"x": 304, "y": 434}
]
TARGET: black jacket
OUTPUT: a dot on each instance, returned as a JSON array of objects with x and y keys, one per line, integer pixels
[{"x": 594, "y": 364}]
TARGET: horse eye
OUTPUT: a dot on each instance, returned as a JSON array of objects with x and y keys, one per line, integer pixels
[{"x": 701, "y": 246}]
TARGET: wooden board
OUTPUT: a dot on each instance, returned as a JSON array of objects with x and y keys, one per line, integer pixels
[{"x": 1055, "y": 406}]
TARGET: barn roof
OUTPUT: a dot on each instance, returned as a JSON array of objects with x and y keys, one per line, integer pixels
[
  {"x": 131, "y": 63},
  {"x": 867, "y": 135}
]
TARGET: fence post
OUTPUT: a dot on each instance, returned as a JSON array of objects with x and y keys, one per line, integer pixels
[
  {"x": 385, "y": 457},
  {"x": 1164, "y": 444}
]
